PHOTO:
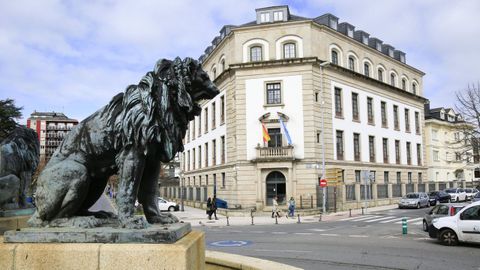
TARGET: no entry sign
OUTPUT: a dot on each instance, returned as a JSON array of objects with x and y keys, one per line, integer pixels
[{"x": 323, "y": 182}]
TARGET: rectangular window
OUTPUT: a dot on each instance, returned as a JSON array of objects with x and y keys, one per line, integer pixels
[
  {"x": 399, "y": 177},
  {"x": 188, "y": 161},
  {"x": 435, "y": 155},
  {"x": 357, "y": 176},
  {"x": 356, "y": 146},
  {"x": 407, "y": 120},
  {"x": 256, "y": 53},
  {"x": 199, "y": 180},
  {"x": 385, "y": 177},
  {"x": 417, "y": 123},
  {"x": 409, "y": 153},
  {"x": 318, "y": 137},
  {"x": 355, "y": 111},
  {"x": 199, "y": 157},
  {"x": 366, "y": 69},
  {"x": 206, "y": 121},
  {"x": 420, "y": 178},
  {"x": 206, "y": 154},
  {"x": 371, "y": 148},
  {"x": 384, "y": 114},
  {"x": 380, "y": 75},
  {"x": 385, "y": 150},
  {"x": 199, "y": 125},
  {"x": 289, "y": 50},
  {"x": 274, "y": 93},
  {"x": 458, "y": 156},
  {"x": 339, "y": 145},
  {"x": 316, "y": 97},
  {"x": 214, "y": 152},
  {"x": 278, "y": 16},
  {"x": 222, "y": 155},
  {"x": 193, "y": 159},
  {"x": 370, "y": 110},
  {"x": 275, "y": 137},
  {"x": 338, "y": 102},
  {"x": 264, "y": 17},
  {"x": 409, "y": 175},
  {"x": 206, "y": 180},
  {"x": 222, "y": 110},
  {"x": 397, "y": 151},
  {"x": 193, "y": 129},
  {"x": 419, "y": 154},
  {"x": 214, "y": 118},
  {"x": 223, "y": 180},
  {"x": 396, "y": 124}
]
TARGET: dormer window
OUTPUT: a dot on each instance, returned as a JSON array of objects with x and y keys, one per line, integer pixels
[
  {"x": 277, "y": 16},
  {"x": 350, "y": 32},
  {"x": 333, "y": 24},
  {"x": 256, "y": 53},
  {"x": 289, "y": 50},
  {"x": 442, "y": 115},
  {"x": 379, "y": 46},
  {"x": 365, "y": 40},
  {"x": 264, "y": 17}
]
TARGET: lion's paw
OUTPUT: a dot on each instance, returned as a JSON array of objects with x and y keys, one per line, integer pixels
[
  {"x": 163, "y": 218},
  {"x": 134, "y": 223}
]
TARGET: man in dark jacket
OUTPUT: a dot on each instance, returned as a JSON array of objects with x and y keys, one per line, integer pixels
[{"x": 214, "y": 207}]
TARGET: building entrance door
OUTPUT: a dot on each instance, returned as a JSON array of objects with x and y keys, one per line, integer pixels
[{"x": 276, "y": 187}]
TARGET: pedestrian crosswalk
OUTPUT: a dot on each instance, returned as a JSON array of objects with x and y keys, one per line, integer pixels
[{"x": 384, "y": 219}]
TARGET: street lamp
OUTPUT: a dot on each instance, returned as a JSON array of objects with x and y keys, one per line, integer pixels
[{"x": 182, "y": 184}]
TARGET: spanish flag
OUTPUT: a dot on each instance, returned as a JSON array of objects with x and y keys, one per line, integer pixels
[{"x": 266, "y": 137}]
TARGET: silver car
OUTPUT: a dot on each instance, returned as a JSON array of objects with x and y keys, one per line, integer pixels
[
  {"x": 414, "y": 200},
  {"x": 476, "y": 198},
  {"x": 440, "y": 210}
]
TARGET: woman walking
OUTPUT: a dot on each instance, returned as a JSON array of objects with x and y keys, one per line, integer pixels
[
  {"x": 275, "y": 210},
  {"x": 291, "y": 207}
]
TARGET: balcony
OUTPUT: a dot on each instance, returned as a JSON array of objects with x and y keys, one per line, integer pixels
[{"x": 283, "y": 153}]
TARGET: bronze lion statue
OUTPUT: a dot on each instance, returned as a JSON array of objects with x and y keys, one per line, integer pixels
[
  {"x": 19, "y": 156},
  {"x": 129, "y": 137}
]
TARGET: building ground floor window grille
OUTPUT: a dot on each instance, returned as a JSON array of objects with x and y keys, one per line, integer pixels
[
  {"x": 442, "y": 186},
  {"x": 350, "y": 192},
  {"x": 198, "y": 197},
  {"x": 368, "y": 190},
  {"x": 421, "y": 188},
  {"x": 397, "y": 190},
  {"x": 409, "y": 188},
  {"x": 382, "y": 191}
]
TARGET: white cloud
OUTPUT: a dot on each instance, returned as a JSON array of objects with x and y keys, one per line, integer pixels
[{"x": 75, "y": 55}]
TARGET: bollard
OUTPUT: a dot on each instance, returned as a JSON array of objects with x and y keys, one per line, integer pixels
[
  {"x": 362, "y": 211},
  {"x": 251, "y": 215},
  {"x": 350, "y": 212},
  {"x": 276, "y": 219},
  {"x": 228, "y": 223},
  {"x": 320, "y": 217},
  {"x": 298, "y": 215},
  {"x": 404, "y": 225}
]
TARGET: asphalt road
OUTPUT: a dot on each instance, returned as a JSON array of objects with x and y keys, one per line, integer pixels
[{"x": 373, "y": 241}]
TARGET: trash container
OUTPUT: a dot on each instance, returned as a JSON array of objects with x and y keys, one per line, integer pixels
[{"x": 221, "y": 203}]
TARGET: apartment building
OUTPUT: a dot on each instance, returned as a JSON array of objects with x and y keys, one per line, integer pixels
[
  {"x": 51, "y": 128},
  {"x": 449, "y": 153},
  {"x": 297, "y": 93}
]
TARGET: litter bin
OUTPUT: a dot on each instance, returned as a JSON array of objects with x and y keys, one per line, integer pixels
[{"x": 221, "y": 203}]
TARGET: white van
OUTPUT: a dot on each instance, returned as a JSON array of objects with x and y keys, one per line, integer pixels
[{"x": 462, "y": 227}]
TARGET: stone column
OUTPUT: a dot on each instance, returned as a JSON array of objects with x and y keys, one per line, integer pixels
[
  {"x": 404, "y": 189},
  {"x": 357, "y": 193},
  {"x": 415, "y": 187},
  {"x": 374, "y": 194}
]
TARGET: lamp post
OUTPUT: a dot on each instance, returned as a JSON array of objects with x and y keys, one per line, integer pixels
[
  {"x": 182, "y": 184},
  {"x": 322, "y": 138}
]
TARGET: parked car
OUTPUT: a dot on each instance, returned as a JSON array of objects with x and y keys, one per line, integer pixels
[
  {"x": 414, "y": 200},
  {"x": 462, "y": 227},
  {"x": 438, "y": 196},
  {"x": 471, "y": 192},
  {"x": 164, "y": 205},
  {"x": 476, "y": 198},
  {"x": 457, "y": 194},
  {"x": 440, "y": 210}
]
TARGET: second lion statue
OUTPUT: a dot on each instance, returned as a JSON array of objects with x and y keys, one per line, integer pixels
[{"x": 130, "y": 136}]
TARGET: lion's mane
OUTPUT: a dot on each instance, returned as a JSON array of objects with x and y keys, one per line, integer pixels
[
  {"x": 20, "y": 151},
  {"x": 157, "y": 110}
]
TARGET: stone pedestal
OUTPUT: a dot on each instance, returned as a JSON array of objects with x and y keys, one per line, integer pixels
[
  {"x": 186, "y": 253},
  {"x": 12, "y": 223}
]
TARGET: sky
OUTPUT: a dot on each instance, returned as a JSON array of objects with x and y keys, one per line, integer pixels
[{"x": 74, "y": 56}]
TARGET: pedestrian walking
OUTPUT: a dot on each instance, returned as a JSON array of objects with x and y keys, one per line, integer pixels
[
  {"x": 291, "y": 207},
  {"x": 209, "y": 208},
  {"x": 214, "y": 207},
  {"x": 275, "y": 210}
]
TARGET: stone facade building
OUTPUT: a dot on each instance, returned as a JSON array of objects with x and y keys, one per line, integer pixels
[{"x": 346, "y": 99}]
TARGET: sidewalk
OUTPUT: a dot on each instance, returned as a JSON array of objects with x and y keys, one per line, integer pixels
[{"x": 198, "y": 217}]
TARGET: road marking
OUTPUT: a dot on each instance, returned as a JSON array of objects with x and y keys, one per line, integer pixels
[
  {"x": 329, "y": 234},
  {"x": 284, "y": 250},
  {"x": 378, "y": 219},
  {"x": 350, "y": 218},
  {"x": 257, "y": 232},
  {"x": 317, "y": 230},
  {"x": 418, "y": 223},
  {"x": 392, "y": 220},
  {"x": 358, "y": 236},
  {"x": 303, "y": 233},
  {"x": 279, "y": 233},
  {"x": 365, "y": 218},
  {"x": 409, "y": 220}
]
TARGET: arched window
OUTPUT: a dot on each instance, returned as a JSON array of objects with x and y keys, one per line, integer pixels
[
  {"x": 351, "y": 63},
  {"x": 275, "y": 187},
  {"x": 404, "y": 84},
  {"x": 256, "y": 53},
  {"x": 289, "y": 50},
  {"x": 380, "y": 74},
  {"x": 334, "y": 57},
  {"x": 392, "y": 79},
  {"x": 366, "y": 69},
  {"x": 222, "y": 64},
  {"x": 414, "y": 88},
  {"x": 214, "y": 72}
]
